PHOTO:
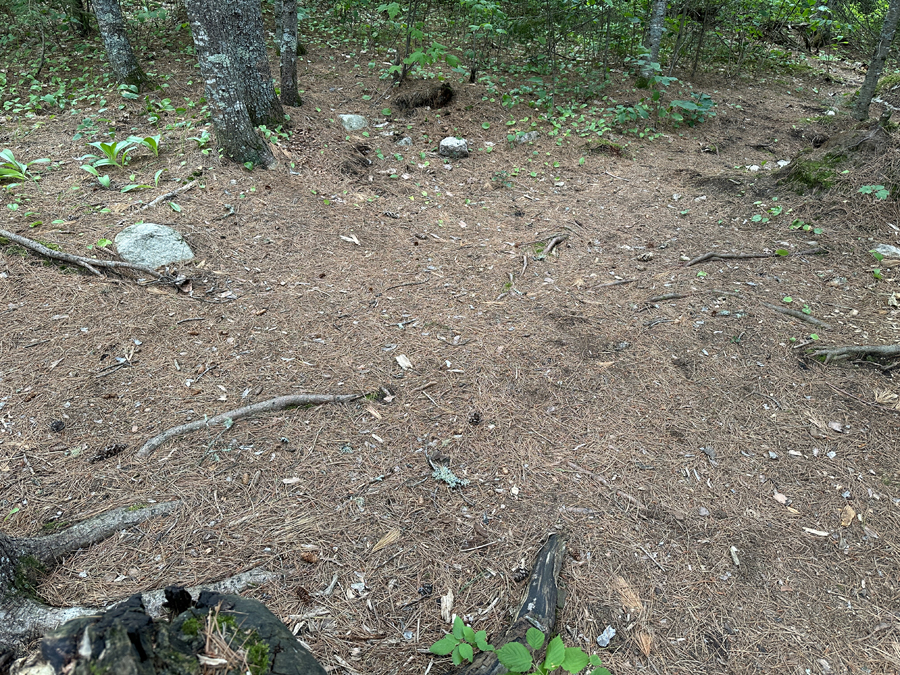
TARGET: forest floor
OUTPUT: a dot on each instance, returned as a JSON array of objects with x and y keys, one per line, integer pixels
[{"x": 731, "y": 504}]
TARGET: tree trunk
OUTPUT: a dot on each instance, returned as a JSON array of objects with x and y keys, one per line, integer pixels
[
  {"x": 876, "y": 66},
  {"x": 23, "y": 616},
  {"x": 78, "y": 17},
  {"x": 246, "y": 40},
  {"x": 655, "y": 32},
  {"x": 118, "y": 49},
  {"x": 288, "y": 45},
  {"x": 220, "y": 31}
]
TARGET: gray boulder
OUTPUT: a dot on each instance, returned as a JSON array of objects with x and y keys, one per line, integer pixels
[
  {"x": 454, "y": 148},
  {"x": 152, "y": 245},
  {"x": 353, "y": 122}
]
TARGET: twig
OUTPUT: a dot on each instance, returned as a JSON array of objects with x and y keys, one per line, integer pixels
[
  {"x": 652, "y": 559},
  {"x": 668, "y": 296},
  {"x": 170, "y": 195},
  {"x": 271, "y": 405},
  {"x": 87, "y": 263},
  {"x": 798, "y": 315},
  {"x": 619, "y": 282},
  {"x": 230, "y": 213},
  {"x": 35, "y": 344},
  {"x": 713, "y": 255},
  {"x": 617, "y": 177},
  {"x": 838, "y": 353},
  {"x": 193, "y": 318},
  {"x": 553, "y": 243}
]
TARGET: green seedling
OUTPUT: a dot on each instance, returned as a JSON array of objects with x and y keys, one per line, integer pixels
[
  {"x": 16, "y": 170},
  {"x": 788, "y": 299},
  {"x": 111, "y": 153},
  {"x": 202, "y": 140},
  {"x": 460, "y": 644},
  {"x": 149, "y": 142},
  {"x": 879, "y": 191},
  {"x": 101, "y": 243},
  {"x": 103, "y": 180}
]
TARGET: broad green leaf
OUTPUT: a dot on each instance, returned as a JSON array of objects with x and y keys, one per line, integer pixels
[
  {"x": 787, "y": 299},
  {"x": 465, "y": 651},
  {"x": 444, "y": 646},
  {"x": 782, "y": 252},
  {"x": 556, "y": 652},
  {"x": 515, "y": 657},
  {"x": 456, "y": 656},
  {"x": 481, "y": 641},
  {"x": 535, "y": 638},
  {"x": 458, "y": 627},
  {"x": 600, "y": 671},
  {"x": 469, "y": 635},
  {"x": 575, "y": 660},
  {"x": 175, "y": 207}
]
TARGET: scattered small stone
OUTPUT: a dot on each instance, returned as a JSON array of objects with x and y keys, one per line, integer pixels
[
  {"x": 887, "y": 250},
  {"x": 704, "y": 512},
  {"x": 527, "y": 137},
  {"x": 57, "y": 425},
  {"x": 405, "y": 141},
  {"x": 454, "y": 148},
  {"x": 353, "y": 122}
]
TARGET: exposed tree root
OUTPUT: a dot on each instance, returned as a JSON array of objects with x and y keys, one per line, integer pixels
[
  {"x": 713, "y": 255},
  {"x": 858, "y": 352},
  {"x": 22, "y": 616},
  {"x": 89, "y": 264},
  {"x": 798, "y": 315},
  {"x": 170, "y": 195},
  {"x": 226, "y": 418},
  {"x": 538, "y": 607}
]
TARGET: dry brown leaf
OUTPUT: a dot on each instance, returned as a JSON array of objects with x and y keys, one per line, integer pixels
[
  {"x": 847, "y": 515},
  {"x": 630, "y": 600},
  {"x": 390, "y": 538},
  {"x": 644, "y": 641},
  {"x": 374, "y": 413}
]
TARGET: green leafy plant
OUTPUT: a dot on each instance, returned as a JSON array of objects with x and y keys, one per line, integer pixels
[
  {"x": 16, "y": 170},
  {"x": 202, "y": 140},
  {"x": 103, "y": 180},
  {"x": 149, "y": 142},
  {"x": 798, "y": 224},
  {"x": 460, "y": 644},
  {"x": 879, "y": 191},
  {"x": 111, "y": 153}
]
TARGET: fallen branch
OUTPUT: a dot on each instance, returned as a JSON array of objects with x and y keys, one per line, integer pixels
[
  {"x": 538, "y": 607},
  {"x": 89, "y": 264},
  {"x": 226, "y": 418},
  {"x": 850, "y": 351},
  {"x": 170, "y": 195},
  {"x": 713, "y": 255},
  {"x": 798, "y": 315}
]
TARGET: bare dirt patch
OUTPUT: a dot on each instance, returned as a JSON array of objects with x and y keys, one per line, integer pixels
[{"x": 700, "y": 463}]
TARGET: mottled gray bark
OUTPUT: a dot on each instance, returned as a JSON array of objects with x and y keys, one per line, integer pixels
[
  {"x": 876, "y": 65},
  {"x": 247, "y": 41},
  {"x": 655, "y": 30},
  {"x": 288, "y": 48},
  {"x": 22, "y": 616},
  {"x": 223, "y": 64},
  {"x": 118, "y": 49}
]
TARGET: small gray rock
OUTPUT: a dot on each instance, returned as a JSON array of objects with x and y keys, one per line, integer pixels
[
  {"x": 152, "y": 245},
  {"x": 406, "y": 140},
  {"x": 353, "y": 122},
  {"x": 887, "y": 250},
  {"x": 454, "y": 148},
  {"x": 527, "y": 136}
]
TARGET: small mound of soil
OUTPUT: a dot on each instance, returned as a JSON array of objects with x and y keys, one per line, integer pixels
[{"x": 438, "y": 96}]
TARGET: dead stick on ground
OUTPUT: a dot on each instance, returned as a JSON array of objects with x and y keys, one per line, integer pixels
[
  {"x": 272, "y": 405},
  {"x": 712, "y": 255},
  {"x": 170, "y": 195},
  {"x": 838, "y": 353},
  {"x": 87, "y": 263},
  {"x": 798, "y": 315}
]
